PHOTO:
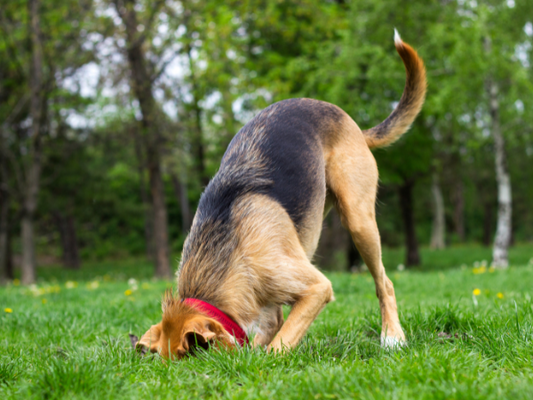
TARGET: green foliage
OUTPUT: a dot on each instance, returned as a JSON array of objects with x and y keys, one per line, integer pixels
[{"x": 216, "y": 64}]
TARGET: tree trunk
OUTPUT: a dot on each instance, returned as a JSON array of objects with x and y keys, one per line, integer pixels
[
  {"x": 229, "y": 118},
  {"x": 33, "y": 170},
  {"x": 5, "y": 271},
  {"x": 152, "y": 133},
  {"x": 406, "y": 205},
  {"x": 504, "y": 226},
  {"x": 438, "y": 231},
  {"x": 459, "y": 208},
  {"x": 145, "y": 198},
  {"x": 69, "y": 242},
  {"x": 354, "y": 257},
  {"x": 180, "y": 189},
  {"x": 28, "y": 251},
  {"x": 162, "y": 268},
  {"x": 333, "y": 251},
  {"x": 198, "y": 141}
]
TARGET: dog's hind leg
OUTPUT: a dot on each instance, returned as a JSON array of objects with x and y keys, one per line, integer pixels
[{"x": 352, "y": 176}]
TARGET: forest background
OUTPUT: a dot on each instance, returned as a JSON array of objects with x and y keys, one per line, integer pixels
[{"x": 115, "y": 114}]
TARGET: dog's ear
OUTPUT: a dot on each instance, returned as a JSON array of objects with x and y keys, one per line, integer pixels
[
  {"x": 203, "y": 332},
  {"x": 151, "y": 339}
]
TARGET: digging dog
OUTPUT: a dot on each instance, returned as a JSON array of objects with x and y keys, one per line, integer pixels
[{"x": 259, "y": 220}]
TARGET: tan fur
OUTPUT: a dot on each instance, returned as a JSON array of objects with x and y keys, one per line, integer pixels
[
  {"x": 267, "y": 259},
  {"x": 410, "y": 104},
  {"x": 182, "y": 329}
]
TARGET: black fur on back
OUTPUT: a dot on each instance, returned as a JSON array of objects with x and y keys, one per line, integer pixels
[{"x": 278, "y": 154}]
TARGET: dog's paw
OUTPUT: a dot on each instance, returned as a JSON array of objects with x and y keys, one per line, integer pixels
[{"x": 392, "y": 342}]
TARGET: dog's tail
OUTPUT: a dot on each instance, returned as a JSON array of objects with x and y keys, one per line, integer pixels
[{"x": 399, "y": 121}]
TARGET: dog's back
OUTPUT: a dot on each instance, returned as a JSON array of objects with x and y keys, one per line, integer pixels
[{"x": 280, "y": 151}]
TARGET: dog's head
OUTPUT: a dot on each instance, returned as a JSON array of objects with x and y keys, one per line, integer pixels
[{"x": 182, "y": 330}]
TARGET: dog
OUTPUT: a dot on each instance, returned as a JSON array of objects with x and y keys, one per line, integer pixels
[{"x": 259, "y": 220}]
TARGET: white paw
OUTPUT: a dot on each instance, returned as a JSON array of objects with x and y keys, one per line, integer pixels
[{"x": 392, "y": 342}]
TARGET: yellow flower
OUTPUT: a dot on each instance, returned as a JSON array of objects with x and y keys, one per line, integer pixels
[
  {"x": 44, "y": 301},
  {"x": 128, "y": 292},
  {"x": 16, "y": 282},
  {"x": 71, "y": 284},
  {"x": 8, "y": 310},
  {"x": 480, "y": 270},
  {"x": 476, "y": 292},
  {"x": 492, "y": 269},
  {"x": 500, "y": 295}
]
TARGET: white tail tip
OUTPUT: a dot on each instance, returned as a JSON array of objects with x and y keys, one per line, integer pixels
[{"x": 397, "y": 38}]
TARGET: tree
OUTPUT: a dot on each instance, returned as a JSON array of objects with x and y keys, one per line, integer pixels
[
  {"x": 438, "y": 232},
  {"x": 142, "y": 79}
]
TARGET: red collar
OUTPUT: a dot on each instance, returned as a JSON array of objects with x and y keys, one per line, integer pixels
[{"x": 227, "y": 323}]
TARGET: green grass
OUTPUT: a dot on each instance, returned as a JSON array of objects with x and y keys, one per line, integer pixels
[
  {"x": 75, "y": 344},
  {"x": 456, "y": 256}
]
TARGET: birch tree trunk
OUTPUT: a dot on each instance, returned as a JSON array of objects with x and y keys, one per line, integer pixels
[
  {"x": 438, "y": 229},
  {"x": 504, "y": 225},
  {"x": 33, "y": 169}
]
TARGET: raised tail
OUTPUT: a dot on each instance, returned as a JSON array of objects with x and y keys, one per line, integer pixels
[{"x": 399, "y": 121}]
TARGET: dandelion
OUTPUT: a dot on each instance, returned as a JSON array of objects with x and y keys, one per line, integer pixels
[
  {"x": 8, "y": 310},
  {"x": 499, "y": 295},
  {"x": 480, "y": 270},
  {"x": 16, "y": 282},
  {"x": 93, "y": 285},
  {"x": 400, "y": 267},
  {"x": 476, "y": 292},
  {"x": 44, "y": 301},
  {"x": 71, "y": 284},
  {"x": 128, "y": 292},
  {"x": 132, "y": 281}
]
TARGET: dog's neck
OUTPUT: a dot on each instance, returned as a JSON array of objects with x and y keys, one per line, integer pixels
[{"x": 213, "y": 312}]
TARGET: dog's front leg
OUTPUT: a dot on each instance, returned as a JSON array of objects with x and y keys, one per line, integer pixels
[{"x": 303, "y": 313}]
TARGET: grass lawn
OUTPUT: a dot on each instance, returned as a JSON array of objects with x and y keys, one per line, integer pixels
[{"x": 68, "y": 338}]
